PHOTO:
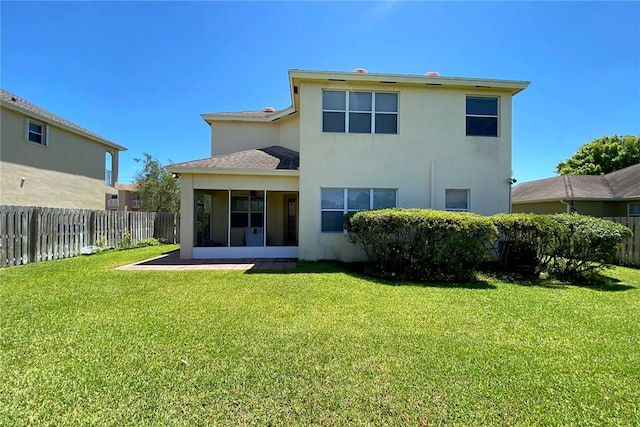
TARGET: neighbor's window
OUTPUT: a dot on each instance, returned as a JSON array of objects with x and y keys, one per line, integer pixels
[
  {"x": 36, "y": 132},
  {"x": 336, "y": 202},
  {"x": 113, "y": 200},
  {"x": 482, "y": 116},
  {"x": 359, "y": 112},
  {"x": 456, "y": 200},
  {"x": 634, "y": 209}
]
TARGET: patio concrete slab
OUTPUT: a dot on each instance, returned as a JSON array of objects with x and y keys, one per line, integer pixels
[{"x": 172, "y": 262}]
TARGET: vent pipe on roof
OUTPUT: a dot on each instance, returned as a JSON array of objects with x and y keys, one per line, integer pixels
[
  {"x": 432, "y": 74},
  {"x": 360, "y": 71},
  {"x": 269, "y": 110}
]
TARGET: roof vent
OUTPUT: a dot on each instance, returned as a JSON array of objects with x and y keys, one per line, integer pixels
[
  {"x": 432, "y": 74},
  {"x": 360, "y": 71},
  {"x": 269, "y": 110},
  {"x": 13, "y": 98}
]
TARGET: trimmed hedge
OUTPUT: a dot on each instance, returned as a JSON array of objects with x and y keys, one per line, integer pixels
[
  {"x": 568, "y": 246},
  {"x": 584, "y": 244},
  {"x": 429, "y": 245},
  {"x": 419, "y": 244},
  {"x": 525, "y": 241}
]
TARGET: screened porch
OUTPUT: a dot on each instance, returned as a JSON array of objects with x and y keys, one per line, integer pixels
[{"x": 245, "y": 224}]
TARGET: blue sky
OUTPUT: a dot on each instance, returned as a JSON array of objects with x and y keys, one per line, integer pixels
[{"x": 141, "y": 73}]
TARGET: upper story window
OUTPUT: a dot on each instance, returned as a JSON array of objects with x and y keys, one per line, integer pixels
[
  {"x": 482, "y": 116},
  {"x": 456, "y": 200},
  {"x": 336, "y": 202},
  {"x": 36, "y": 132},
  {"x": 359, "y": 112}
]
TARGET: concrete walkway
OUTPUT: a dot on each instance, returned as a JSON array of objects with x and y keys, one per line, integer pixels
[{"x": 172, "y": 262}]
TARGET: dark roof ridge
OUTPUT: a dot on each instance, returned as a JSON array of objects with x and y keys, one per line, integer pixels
[
  {"x": 274, "y": 157},
  {"x": 568, "y": 191}
]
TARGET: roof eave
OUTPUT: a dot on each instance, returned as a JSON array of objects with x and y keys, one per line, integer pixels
[
  {"x": 235, "y": 171},
  {"x": 512, "y": 86},
  {"x": 213, "y": 117},
  {"x": 576, "y": 199}
]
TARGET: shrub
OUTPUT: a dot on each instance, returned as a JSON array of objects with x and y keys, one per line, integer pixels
[
  {"x": 525, "y": 240},
  {"x": 421, "y": 244},
  {"x": 584, "y": 244}
]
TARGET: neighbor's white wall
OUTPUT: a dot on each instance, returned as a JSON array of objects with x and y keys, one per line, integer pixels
[
  {"x": 67, "y": 173},
  {"x": 232, "y": 136},
  {"x": 431, "y": 131}
]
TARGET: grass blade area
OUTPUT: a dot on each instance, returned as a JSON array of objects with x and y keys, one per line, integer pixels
[{"x": 82, "y": 343}]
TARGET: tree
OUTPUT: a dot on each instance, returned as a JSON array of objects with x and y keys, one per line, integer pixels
[
  {"x": 602, "y": 155},
  {"x": 157, "y": 188}
]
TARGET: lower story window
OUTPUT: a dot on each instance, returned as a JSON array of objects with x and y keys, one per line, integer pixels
[
  {"x": 336, "y": 202},
  {"x": 634, "y": 209},
  {"x": 456, "y": 200}
]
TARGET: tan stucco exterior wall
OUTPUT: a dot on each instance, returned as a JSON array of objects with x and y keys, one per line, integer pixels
[
  {"x": 545, "y": 208},
  {"x": 67, "y": 173},
  {"x": 429, "y": 152},
  {"x": 234, "y": 136}
]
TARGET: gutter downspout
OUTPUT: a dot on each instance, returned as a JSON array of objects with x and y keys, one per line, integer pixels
[
  {"x": 567, "y": 204},
  {"x": 511, "y": 181}
]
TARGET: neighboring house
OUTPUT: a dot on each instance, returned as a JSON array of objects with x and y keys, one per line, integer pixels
[
  {"x": 614, "y": 194},
  {"x": 278, "y": 183},
  {"x": 48, "y": 161},
  {"x": 127, "y": 199}
]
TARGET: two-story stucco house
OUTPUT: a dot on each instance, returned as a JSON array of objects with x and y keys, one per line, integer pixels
[
  {"x": 278, "y": 183},
  {"x": 48, "y": 161}
]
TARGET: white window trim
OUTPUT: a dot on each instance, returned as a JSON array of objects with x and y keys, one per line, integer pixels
[
  {"x": 345, "y": 202},
  {"x": 45, "y": 132},
  {"x": 373, "y": 112},
  {"x": 629, "y": 214},
  {"x": 468, "y": 209},
  {"x": 497, "y": 116}
]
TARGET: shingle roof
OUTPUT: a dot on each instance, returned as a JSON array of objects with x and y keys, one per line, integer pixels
[
  {"x": 9, "y": 99},
  {"x": 624, "y": 183},
  {"x": 269, "y": 158}
]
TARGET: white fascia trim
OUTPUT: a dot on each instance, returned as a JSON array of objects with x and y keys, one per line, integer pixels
[
  {"x": 57, "y": 124},
  {"x": 213, "y": 171},
  {"x": 513, "y": 86},
  {"x": 210, "y": 117}
]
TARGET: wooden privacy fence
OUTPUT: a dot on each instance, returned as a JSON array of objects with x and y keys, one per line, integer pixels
[
  {"x": 629, "y": 253},
  {"x": 31, "y": 234}
]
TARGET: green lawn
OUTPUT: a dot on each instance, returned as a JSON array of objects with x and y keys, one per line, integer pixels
[{"x": 82, "y": 343}]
